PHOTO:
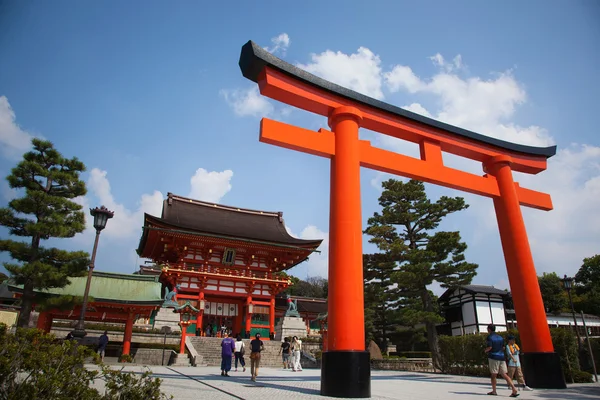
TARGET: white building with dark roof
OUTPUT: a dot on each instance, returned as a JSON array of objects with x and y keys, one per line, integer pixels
[{"x": 470, "y": 309}]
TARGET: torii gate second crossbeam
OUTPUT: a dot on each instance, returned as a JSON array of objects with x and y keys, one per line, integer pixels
[{"x": 345, "y": 370}]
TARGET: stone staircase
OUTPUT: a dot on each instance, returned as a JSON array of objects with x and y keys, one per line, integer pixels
[{"x": 209, "y": 349}]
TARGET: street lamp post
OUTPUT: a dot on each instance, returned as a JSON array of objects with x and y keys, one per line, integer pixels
[
  {"x": 101, "y": 216},
  {"x": 568, "y": 285}
]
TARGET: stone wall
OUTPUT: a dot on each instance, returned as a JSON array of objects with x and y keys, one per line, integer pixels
[
  {"x": 116, "y": 336},
  {"x": 404, "y": 364},
  {"x": 153, "y": 356}
]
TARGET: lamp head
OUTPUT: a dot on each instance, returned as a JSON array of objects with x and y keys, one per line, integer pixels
[{"x": 101, "y": 216}]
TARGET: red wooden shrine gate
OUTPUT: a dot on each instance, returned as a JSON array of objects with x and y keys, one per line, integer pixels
[{"x": 345, "y": 366}]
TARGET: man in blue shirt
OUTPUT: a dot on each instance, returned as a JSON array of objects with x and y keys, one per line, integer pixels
[
  {"x": 102, "y": 342},
  {"x": 227, "y": 349},
  {"x": 495, "y": 352}
]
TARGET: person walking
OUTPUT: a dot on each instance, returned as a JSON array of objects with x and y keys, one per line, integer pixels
[
  {"x": 297, "y": 350},
  {"x": 285, "y": 353},
  {"x": 227, "y": 350},
  {"x": 514, "y": 363},
  {"x": 256, "y": 346},
  {"x": 240, "y": 349},
  {"x": 102, "y": 343},
  {"x": 495, "y": 352}
]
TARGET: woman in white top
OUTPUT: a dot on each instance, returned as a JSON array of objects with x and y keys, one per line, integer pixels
[
  {"x": 239, "y": 353},
  {"x": 296, "y": 351}
]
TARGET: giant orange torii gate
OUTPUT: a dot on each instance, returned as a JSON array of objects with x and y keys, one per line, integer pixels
[{"x": 345, "y": 366}]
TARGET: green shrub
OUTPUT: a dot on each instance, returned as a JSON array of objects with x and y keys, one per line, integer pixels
[
  {"x": 125, "y": 358},
  {"x": 464, "y": 355},
  {"x": 565, "y": 345},
  {"x": 579, "y": 376},
  {"x": 38, "y": 366}
]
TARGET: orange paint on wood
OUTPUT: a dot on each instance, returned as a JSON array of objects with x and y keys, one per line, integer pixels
[
  {"x": 525, "y": 290},
  {"x": 345, "y": 297},
  {"x": 430, "y": 169},
  {"x": 128, "y": 334},
  {"x": 281, "y": 87}
]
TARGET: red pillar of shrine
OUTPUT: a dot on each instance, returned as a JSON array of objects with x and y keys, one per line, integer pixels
[
  {"x": 345, "y": 370},
  {"x": 200, "y": 316},
  {"x": 42, "y": 322},
  {"x": 48, "y": 326},
  {"x": 248, "y": 316},
  {"x": 272, "y": 317},
  {"x": 183, "y": 336},
  {"x": 128, "y": 334},
  {"x": 539, "y": 357}
]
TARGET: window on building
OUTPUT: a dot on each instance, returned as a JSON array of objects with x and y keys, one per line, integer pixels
[{"x": 229, "y": 257}]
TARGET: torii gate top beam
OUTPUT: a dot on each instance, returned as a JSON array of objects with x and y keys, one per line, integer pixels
[{"x": 291, "y": 85}]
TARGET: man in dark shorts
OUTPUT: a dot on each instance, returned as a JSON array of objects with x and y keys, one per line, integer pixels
[
  {"x": 495, "y": 352},
  {"x": 285, "y": 352},
  {"x": 102, "y": 343},
  {"x": 256, "y": 346}
]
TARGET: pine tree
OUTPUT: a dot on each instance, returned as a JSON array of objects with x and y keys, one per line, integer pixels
[
  {"x": 403, "y": 232},
  {"x": 46, "y": 210},
  {"x": 381, "y": 298}
]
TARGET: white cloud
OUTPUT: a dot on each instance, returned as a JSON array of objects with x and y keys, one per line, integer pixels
[
  {"x": 210, "y": 186},
  {"x": 247, "y": 102},
  {"x": 360, "y": 71},
  {"x": 561, "y": 238},
  {"x": 280, "y": 44},
  {"x": 126, "y": 223},
  {"x": 317, "y": 264},
  {"x": 455, "y": 65},
  {"x": 417, "y": 108},
  {"x": 402, "y": 78},
  {"x": 14, "y": 141}
]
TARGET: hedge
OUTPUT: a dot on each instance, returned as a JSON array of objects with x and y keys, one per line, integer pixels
[{"x": 464, "y": 355}]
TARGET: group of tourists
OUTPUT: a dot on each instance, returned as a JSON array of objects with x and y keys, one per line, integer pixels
[
  {"x": 291, "y": 354},
  {"x": 236, "y": 349},
  {"x": 212, "y": 330},
  {"x": 497, "y": 356}
]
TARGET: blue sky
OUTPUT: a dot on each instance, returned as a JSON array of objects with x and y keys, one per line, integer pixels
[{"x": 149, "y": 95}]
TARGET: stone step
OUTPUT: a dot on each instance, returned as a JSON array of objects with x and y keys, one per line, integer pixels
[{"x": 210, "y": 350}]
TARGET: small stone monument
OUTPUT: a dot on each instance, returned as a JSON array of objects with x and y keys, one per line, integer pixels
[
  {"x": 165, "y": 316},
  {"x": 374, "y": 351},
  {"x": 292, "y": 323}
]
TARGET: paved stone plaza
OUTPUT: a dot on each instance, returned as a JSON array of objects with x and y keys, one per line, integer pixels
[{"x": 273, "y": 384}]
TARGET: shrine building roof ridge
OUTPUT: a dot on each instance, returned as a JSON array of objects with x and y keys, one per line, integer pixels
[
  {"x": 254, "y": 59},
  {"x": 235, "y": 223},
  {"x": 221, "y": 206}
]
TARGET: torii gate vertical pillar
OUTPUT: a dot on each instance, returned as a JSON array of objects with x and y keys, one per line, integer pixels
[
  {"x": 541, "y": 365},
  {"x": 345, "y": 370}
]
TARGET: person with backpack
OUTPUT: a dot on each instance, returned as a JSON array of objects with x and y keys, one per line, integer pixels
[
  {"x": 514, "y": 363},
  {"x": 497, "y": 364},
  {"x": 285, "y": 353}
]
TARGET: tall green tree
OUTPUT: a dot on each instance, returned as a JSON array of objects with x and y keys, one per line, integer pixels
[
  {"x": 49, "y": 183},
  {"x": 381, "y": 298},
  {"x": 587, "y": 286},
  {"x": 404, "y": 233},
  {"x": 554, "y": 296}
]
